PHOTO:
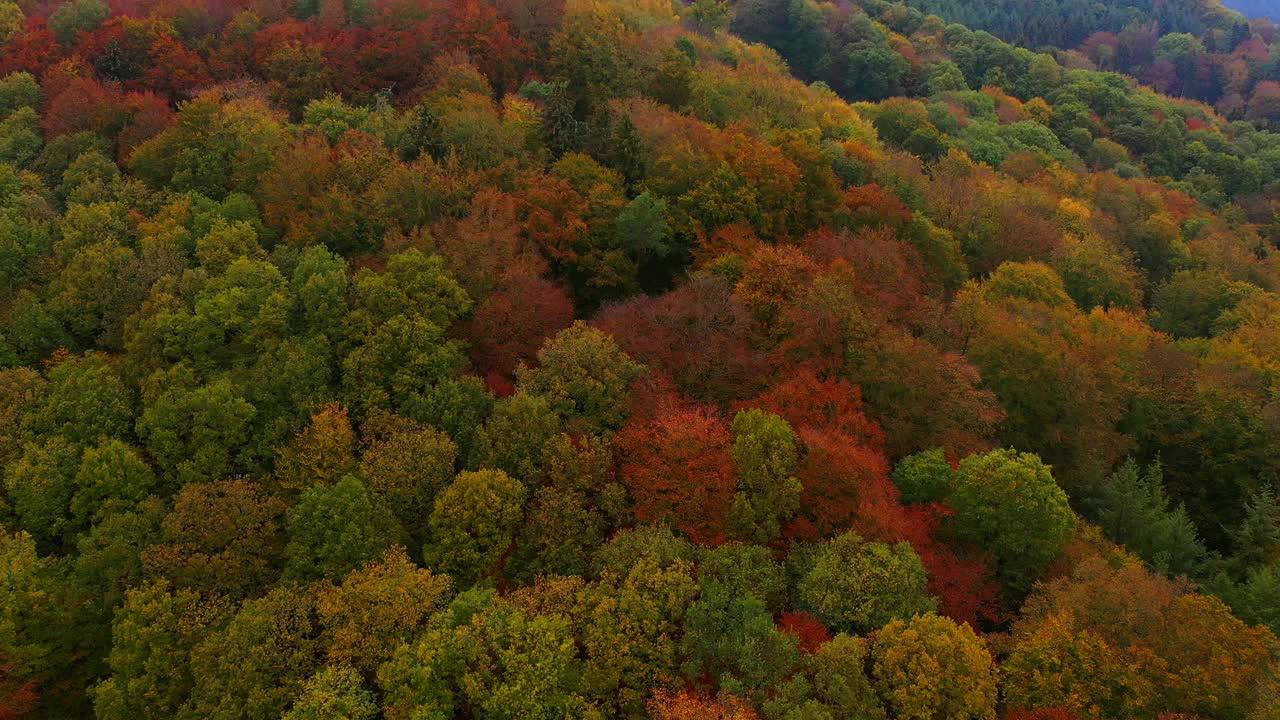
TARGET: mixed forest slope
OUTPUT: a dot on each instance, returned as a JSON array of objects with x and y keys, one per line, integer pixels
[{"x": 620, "y": 359}]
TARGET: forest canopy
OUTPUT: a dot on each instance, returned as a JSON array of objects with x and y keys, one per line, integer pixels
[{"x": 593, "y": 359}]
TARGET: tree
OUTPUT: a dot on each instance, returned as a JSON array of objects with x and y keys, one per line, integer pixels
[
  {"x": 194, "y": 431},
  {"x": 472, "y": 524},
  {"x": 513, "y": 438},
  {"x": 376, "y": 608},
  {"x": 406, "y": 470},
  {"x": 484, "y": 653},
  {"x": 220, "y": 537},
  {"x": 335, "y": 529},
  {"x": 632, "y": 618},
  {"x": 1059, "y": 666},
  {"x": 153, "y": 636},
  {"x": 733, "y": 639},
  {"x": 686, "y": 705},
  {"x": 832, "y": 682},
  {"x": 40, "y": 485},
  {"x": 321, "y": 454},
  {"x": 402, "y": 366},
  {"x": 929, "y": 667},
  {"x": 853, "y": 585},
  {"x": 584, "y": 376},
  {"x": 333, "y": 693},
  {"x": 1133, "y": 510},
  {"x": 924, "y": 477},
  {"x": 259, "y": 662},
  {"x": 765, "y": 451},
  {"x": 76, "y": 17},
  {"x": 111, "y": 478},
  {"x": 1008, "y": 503},
  {"x": 86, "y": 399},
  {"x": 679, "y": 471}
]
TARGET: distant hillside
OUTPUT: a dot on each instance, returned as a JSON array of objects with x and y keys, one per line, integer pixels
[
  {"x": 1256, "y": 8},
  {"x": 1066, "y": 23}
]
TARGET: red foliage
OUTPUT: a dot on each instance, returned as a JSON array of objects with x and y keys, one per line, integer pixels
[
  {"x": 962, "y": 579},
  {"x": 805, "y": 400},
  {"x": 476, "y": 28},
  {"x": 806, "y": 628},
  {"x": 847, "y": 487},
  {"x": 689, "y": 706},
  {"x": 17, "y": 698},
  {"x": 679, "y": 471},
  {"x": 510, "y": 325},
  {"x": 84, "y": 104},
  {"x": 873, "y": 205},
  {"x": 148, "y": 115},
  {"x": 699, "y": 334},
  {"x": 176, "y": 71},
  {"x": 34, "y": 49}
]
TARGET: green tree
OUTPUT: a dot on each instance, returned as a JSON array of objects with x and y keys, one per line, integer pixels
[
  {"x": 490, "y": 657},
  {"x": 1133, "y": 510},
  {"x": 853, "y": 585},
  {"x": 255, "y": 666},
  {"x": 335, "y": 529},
  {"x": 585, "y": 377},
  {"x": 75, "y": 17},
  {"x": 733, "y": 639},
  {"x": 929, "y": 667},
  {"x": 766, "y": 451},
  {"x": 111, "y": 478},
  {"x": 401, "y": 366},
  {"x": 1008, "y": 503},
  {"x": 473, "y": 523},
  {"x": 195, "y": 432},
  {"x": 150, "y": 662},
  {"x": 40, "y": 485},
  {"x": 924, "y": 477},
  {"x": 831, "y": 683},
  {"x": 406, "y": 470},
  {"x": 334, "y": 693},
  {"x": 514, "y": 436},
  {"x": 86, "y": 399}
]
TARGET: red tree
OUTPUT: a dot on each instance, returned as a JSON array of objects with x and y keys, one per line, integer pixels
[{"x": 679, "y": 471}]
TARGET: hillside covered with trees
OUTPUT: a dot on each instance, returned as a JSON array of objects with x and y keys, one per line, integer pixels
[{"x": 594, "y": 359}]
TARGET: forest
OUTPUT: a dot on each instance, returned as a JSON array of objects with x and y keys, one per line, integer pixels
[{"x": 652, "y": 359}]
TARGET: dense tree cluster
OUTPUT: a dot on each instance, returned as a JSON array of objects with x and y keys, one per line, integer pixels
[{"x": 541, "y": 359}]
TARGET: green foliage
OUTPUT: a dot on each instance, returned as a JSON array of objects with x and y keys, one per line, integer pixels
[
  {"x": 924, "y": 477},
  {"x": 483, "y": 653},
  {"x": 1008, "y": 503},
  {"x": 256, "y": 665},
  {"x": 334, "y": 693},
  {"x": 40, "y": 485},
  {"x": 195, "y": 432},
  {"x": 584, "y": 376},
  {"x": 153, "y": 636},
  {"x": 112, "y": 478},
  {"x": 335, "y": 529},
  {"x": 831, "y": 683},
  {"x": 77, "y": 16},
  {"x": 929, "y": 667},
  {"x": 86, "y": 399},
  {"x": 765, "y": 450},
  {"x": 1133, "y": 510},
  {"x": 472, "y": 524},
  {"x": 858, "y": 586},
  {"x": 406, "y": 470}
]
